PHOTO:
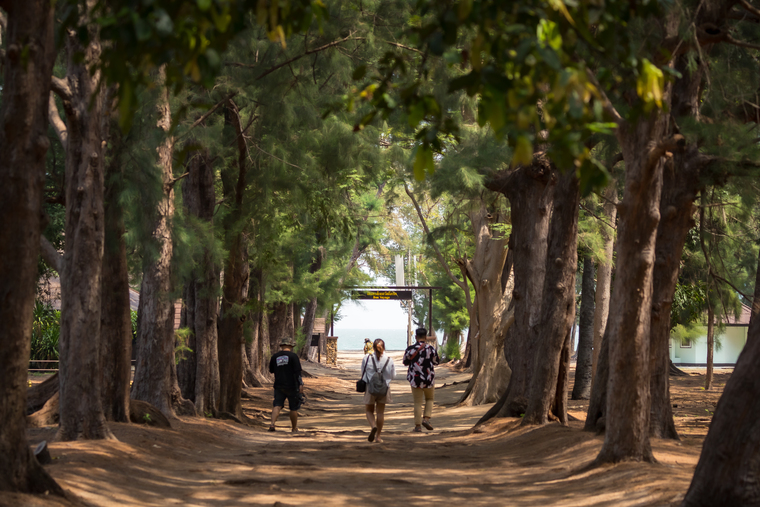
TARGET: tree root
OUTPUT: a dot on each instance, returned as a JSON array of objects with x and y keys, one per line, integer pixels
[
  {"x": 38, "y": 395},
  {"x": 676, "y": 372}
]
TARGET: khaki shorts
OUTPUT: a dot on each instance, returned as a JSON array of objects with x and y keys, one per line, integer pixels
[{"x": 371, "y": 399}]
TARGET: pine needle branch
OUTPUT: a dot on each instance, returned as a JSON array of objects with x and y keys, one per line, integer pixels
[
  {"x": 208, "y": 113},
  {"x": 291, "y": 60},
  {"x": 593, "y": 214},
  {"x": 711, "y": 272},
  {"x": 274, "y": 156},
  {"x": 438, "y": 253},
  {"x": 403, "y": 47}
]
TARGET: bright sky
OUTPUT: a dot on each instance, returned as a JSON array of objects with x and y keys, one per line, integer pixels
[{"x": 372, "y": 315}]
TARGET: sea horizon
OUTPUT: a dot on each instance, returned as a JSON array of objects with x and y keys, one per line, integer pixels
[{"x": 353, "y": 339}]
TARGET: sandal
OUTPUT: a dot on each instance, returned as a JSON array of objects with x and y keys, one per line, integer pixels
[
  {"x": 417, "y": 429},
  {"x": 271, "y": 428},
  {"x": 372, "y": 434},
  {"x": 295, "y": 430},
  {"x": 427, "y": 425}
]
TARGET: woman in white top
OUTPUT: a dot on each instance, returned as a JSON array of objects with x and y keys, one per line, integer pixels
[{"x": 371, "y": 364}]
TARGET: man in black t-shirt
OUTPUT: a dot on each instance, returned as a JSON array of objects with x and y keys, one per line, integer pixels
[{"x": 287, "y": 382}]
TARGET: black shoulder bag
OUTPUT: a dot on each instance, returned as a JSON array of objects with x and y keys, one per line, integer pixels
[{"x": 361, "y": 385}]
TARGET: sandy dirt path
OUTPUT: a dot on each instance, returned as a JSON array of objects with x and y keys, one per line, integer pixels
[{"x": 206, "y": 462}]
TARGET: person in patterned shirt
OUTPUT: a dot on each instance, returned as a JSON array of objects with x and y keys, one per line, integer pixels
[{"x": 421, "y": 359}]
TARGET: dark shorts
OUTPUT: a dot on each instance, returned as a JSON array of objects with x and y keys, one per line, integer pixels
[{"x": 280, "y": 395}]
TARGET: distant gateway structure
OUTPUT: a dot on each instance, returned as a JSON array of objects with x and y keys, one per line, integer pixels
[{"x": 396, "y": 293}]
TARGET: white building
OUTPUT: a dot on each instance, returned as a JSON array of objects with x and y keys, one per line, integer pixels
[{"x": 732, "y": 342}]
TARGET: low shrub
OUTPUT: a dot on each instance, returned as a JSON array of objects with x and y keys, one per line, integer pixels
[
  {"x": 46, "y": 330},
  {"x": 450, "y": 351}
]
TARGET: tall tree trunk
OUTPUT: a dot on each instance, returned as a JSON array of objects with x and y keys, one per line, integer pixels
[
  {"x": 683, "y": 179},
  {"x": 572, "y": 339},
  {"x": 530, "y": 191},
  {"x": 727, "y": 470},
  {"x": 155, "y": 379},
  {"x": 473, "y": 335},
  {"x": 293, "y": 314},
  {"x": 310, "y": 312},
  {"x": 597, "y": 403},
  {"x": 258, "y": 337},
  {"x": 81, "y": 407},
  {"x": 250, "y": 346},
  {"x": 558, "y": 308},
  {"x": 307, "y": 327},
  {"x": 559, "y": 405},
  {"x": 627, "y": 419},
  {"x": 582, "y": 386},
  {"x": 265, "y": 347},
  {"x": 485, "y": 270},
  {"x": 278, "y": 325},
  {"x": 186, "y": 358},
  {"x": 23, "y": 145},
  {"x": 236, "y": 272},
  {"x": 681, "y": 182},
  {"x": 199, "y": 198},
  {"x": 710, "y": 346},
  {"x": 604, "y": 274},
  {"x": 231, "y": 336},
  {"x": 115, "y": 314}
]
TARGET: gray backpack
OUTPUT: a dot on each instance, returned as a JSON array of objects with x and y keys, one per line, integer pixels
[{"x": 376, "y": 385}]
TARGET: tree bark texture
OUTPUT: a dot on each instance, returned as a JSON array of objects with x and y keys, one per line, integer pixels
[
  {"x": 254, "y": 344},
  {"x": 572, "y": 340},
  {"x": 628, "y": 402},
  {"x": 681, "y": 183},
  {"x": 559, "y": 405},
  {"x": 597, "y": 404},
  {"x": 81, "y": 407},
  {"x": 604, "y": 275},
  {"x": 310, "y": 312},
  {"x": 582, "y": 386},
  {"x": 115, "y": 314},
  {"x": 199, "y": 199},
  {"x": 155, "y": 373},
  {"x": 23, "y": 145},
  {"x": 186, "y": 358},
  {"x": 236, "y": 272},
  {"x": 530, "y": 191},
  {"x": 710, "y": 346},
  {"x": 485, "y": 269},
  {"x": 558, "y": 307},
  {"x": 727, "y": 471},
  {"x": 278, "y": 317},
  {"x": 307, "y": 328}
]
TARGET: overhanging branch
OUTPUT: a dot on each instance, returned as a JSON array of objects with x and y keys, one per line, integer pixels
[
  {"x": 750, "y": 8},
  {"x": 741, "y": 44},
  {"x": 57, "y": 123},
  {"x": 179, "y": 178},
  {"x": 606, "y": 103},
  {"x": 291, "y": 60},
  {"x": 50, "y": 255},
  {"x": 61, "y": 88},
  {"x": 666, "y": 146}
]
